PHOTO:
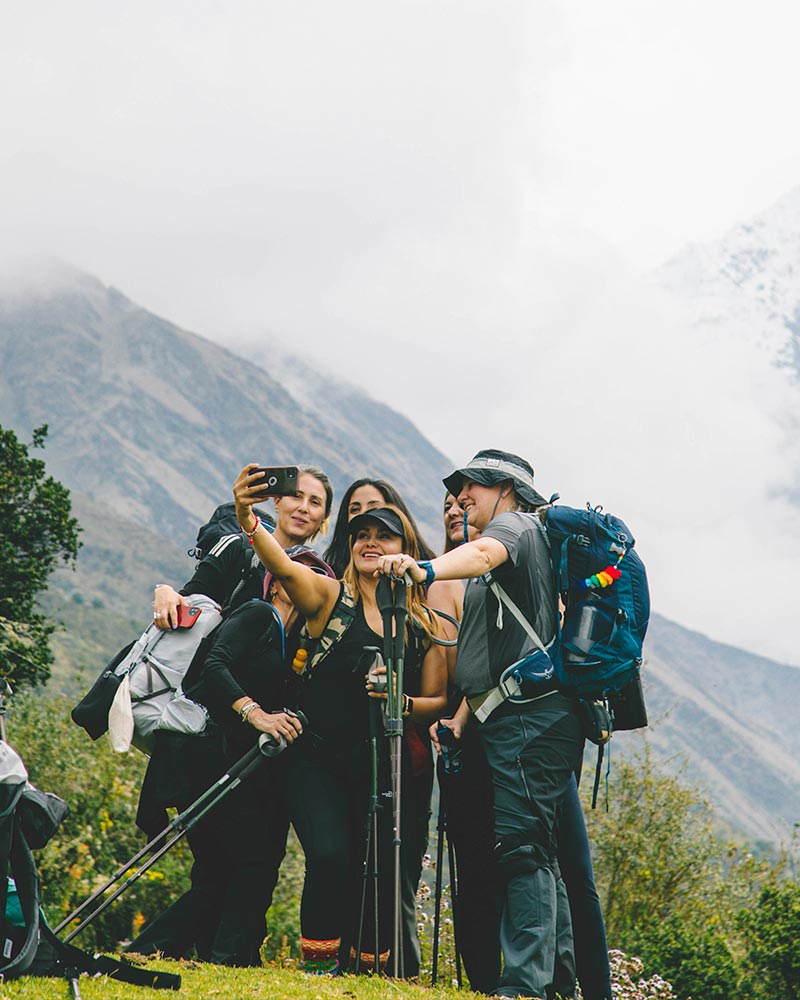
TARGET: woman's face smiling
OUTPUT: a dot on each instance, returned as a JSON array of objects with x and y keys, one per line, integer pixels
[
  {"x": 371, "y": 542},
  {"x": 453, "y": 519},
  {"x": 300, "y": 516},
  {"x": 479, "y": 502},
  {"x": 364, "y": 498}
]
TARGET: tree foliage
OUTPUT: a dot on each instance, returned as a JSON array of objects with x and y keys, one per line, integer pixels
[
  {"x": 36, "y": 533},
  {"x": 772, "y": 939},
  {"x": 102, "y": 789},
  {"x": 672, "y": 889}
]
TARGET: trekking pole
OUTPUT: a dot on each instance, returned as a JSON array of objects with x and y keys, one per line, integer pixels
[
  {"x": 391, "y": 599},
  {"x": 453, "y": 868},
  {"x": 185, "y": 821},
  {"x": 437, "y": 911},
  {"x": 371, "y": 847}
]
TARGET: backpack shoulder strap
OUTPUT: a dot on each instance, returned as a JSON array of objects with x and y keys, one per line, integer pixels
[
  {"x": 504, "y": 598},
  {"x": 339, "y": 622},
  {"x": 26, "y": 878},
  {"x": 249, "y": 566}
]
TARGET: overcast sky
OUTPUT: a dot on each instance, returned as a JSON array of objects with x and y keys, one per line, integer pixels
[{"x": 447, "y": 202}]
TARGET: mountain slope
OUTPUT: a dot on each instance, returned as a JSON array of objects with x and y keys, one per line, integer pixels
[
  {"x": 149, "y": 425},
  {"x": 156, "y": 422},
  {"x": 748, "y": 276},
  {"x": 732, "y": 717}
]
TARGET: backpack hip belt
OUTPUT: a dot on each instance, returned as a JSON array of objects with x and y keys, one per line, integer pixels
[{"x": 482, "y": 705}]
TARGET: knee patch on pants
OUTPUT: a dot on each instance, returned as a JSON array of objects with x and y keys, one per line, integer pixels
[{"x": 517, "y": 854}]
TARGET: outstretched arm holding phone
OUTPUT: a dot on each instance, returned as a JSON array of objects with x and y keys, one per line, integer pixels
[{"x": 313, "y": 595}]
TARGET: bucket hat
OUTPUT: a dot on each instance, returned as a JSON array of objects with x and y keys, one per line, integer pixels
[{"x": 490, "y": 467}]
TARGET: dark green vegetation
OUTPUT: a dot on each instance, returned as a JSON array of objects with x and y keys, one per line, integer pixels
[
  {"x": 149, "y": 424},
  {"x": 148, "y": 455},
  {"x": 36, "y": 533},
  {"x": 673, "y": 891},
  {"x": 704, "y": 914}
]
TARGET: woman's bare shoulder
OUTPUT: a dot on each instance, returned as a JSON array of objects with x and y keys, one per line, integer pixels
[{"x": 448, "y": 596}]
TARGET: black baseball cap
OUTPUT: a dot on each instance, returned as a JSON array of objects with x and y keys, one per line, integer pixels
[
  {"x": 388, "y": 518},
  {"x": 492, "y": 466}
]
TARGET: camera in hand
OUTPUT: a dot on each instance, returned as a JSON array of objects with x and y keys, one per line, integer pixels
[{"x": 451, "y": 750}]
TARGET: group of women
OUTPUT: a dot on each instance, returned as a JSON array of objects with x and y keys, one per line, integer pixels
[{"x": 289, "y": 661}]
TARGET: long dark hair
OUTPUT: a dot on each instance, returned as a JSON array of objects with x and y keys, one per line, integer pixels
[
  {"x": 418, "y": 609},
  {"x": 449, "y": 544},
  {"x": 338, "y": 552}
]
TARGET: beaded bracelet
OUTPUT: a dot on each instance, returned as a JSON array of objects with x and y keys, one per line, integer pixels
[
  {"x": 246, "y": 710},
  {"x": 250, "y": 534}
]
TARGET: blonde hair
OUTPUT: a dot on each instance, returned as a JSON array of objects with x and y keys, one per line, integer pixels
[
  {"x": 312, "y": 470},
  {"x": 419, "y": 613}
]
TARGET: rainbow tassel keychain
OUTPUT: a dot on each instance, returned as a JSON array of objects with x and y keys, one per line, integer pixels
[{"x": 604, "y": 578}]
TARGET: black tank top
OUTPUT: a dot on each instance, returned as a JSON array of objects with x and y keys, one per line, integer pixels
[{"x": 334, "y": 698}]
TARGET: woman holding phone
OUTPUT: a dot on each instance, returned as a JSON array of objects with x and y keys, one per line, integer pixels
[
  {"x": 328, "y": 785},
  {"x": 301, "y": 516},
  {"x": 231, "y": 576}
]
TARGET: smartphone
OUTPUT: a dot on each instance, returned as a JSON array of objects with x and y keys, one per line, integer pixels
[
  {"x": 276, "y": 482},
  {"x": 187, "y": 615}
]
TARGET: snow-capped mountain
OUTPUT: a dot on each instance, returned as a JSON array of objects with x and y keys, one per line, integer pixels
[{"x": 750, "y": 277}]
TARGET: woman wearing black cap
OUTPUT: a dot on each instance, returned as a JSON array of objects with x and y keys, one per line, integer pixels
[
  {"x": 362, "y": 495},
  {"x": 328, "y": 781},
  {"x": 533, "y": 747}
]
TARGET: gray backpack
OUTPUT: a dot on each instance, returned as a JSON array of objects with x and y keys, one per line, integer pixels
[{"x": 148, "y": 681}]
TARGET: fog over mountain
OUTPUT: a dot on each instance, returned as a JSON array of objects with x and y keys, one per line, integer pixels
[
  {"x": 670, "y": 398},
  {"x": 148, "y": 426}
]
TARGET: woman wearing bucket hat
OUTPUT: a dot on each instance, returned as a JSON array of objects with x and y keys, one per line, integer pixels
[
  {"x": 468, "y": 798},
  {"x": 533, "y": 742},
  {"x": 328, "y": 784}
]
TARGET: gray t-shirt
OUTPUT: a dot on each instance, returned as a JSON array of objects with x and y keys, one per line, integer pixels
[{"x": 484, "y": 650}]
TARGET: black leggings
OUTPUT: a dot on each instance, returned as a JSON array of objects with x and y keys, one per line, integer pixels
[
  {"x": 328, "y": 799},
  {"x": 237, "y": 850},
  {"x": 588, "y": 926}
]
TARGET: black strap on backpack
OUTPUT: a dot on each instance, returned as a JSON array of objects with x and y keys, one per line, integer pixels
[{"x": 39, "y": 952}]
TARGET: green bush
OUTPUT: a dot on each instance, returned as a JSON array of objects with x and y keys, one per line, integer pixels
[
  {"x": 671, "y": 888},
  {"x": 771, "y": 933},
  {"x": 697, "y": 962},
  {"x": 100, "y": 833}
]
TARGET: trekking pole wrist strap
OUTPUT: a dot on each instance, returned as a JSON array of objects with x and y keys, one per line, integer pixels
[{"x": 430, "y": 573}]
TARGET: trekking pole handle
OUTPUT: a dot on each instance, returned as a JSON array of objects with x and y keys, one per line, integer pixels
[{"x": 271, "y": 746}]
